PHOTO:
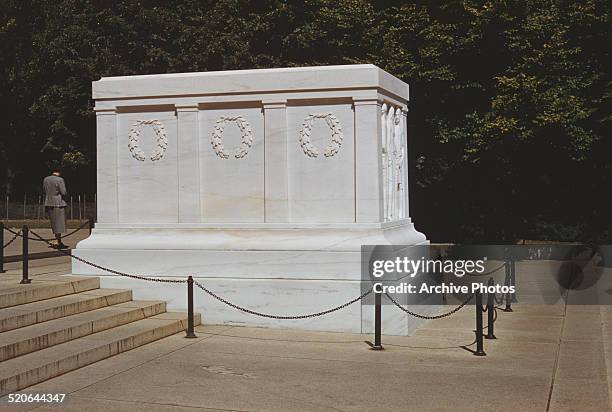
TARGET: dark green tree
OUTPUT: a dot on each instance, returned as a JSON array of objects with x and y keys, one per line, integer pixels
[{"x": 509, "y": 125}]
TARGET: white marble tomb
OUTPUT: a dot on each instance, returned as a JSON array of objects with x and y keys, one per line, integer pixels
[{"x": 262, "y": 184}]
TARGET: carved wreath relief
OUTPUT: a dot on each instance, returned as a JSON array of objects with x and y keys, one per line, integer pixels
[
  {"x": 161, "y": 140},
  {"x": 332, "y": 121},
  {"x": 246, "y": 141}
]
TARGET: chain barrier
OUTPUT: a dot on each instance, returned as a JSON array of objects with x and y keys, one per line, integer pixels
[
  {"x": 199, "y": 285},
  {"x": 12, "y": 240},
  {"x": 500, "y": 300},
  {"x": 494, "y": 316},
  {"x": 265, "y": 315},
  {"x": 83, "y": 226},
  {"x": 417, "y": 315},
  {"x": 115, "y": 272},
  {"x": 246, "y": 310}
]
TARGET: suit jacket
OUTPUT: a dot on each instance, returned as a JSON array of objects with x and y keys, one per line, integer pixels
[{"x": 54, "y": 188}]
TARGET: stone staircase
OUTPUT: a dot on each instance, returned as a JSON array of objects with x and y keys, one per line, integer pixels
[{"x": 58, "y": 324}]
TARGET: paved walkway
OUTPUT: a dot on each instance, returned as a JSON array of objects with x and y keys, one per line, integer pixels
[
  {"x": 57, "y": 265},
  {"x": 34, "y": 246},
  {"x": 554, "y": 358}
]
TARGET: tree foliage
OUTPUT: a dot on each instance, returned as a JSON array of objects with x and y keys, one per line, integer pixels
[{"x": 509, "y": 126}]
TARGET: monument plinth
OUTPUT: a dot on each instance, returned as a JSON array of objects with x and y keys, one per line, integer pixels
[{"x": 262, "y": 184}]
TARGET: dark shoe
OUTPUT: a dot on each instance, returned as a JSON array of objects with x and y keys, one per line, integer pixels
[
  {"x": 53, "y": 246},
  {"x": 63, "y": 246}
]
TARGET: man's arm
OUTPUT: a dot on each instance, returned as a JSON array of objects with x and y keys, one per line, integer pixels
[{"x": 62, "y": 187}]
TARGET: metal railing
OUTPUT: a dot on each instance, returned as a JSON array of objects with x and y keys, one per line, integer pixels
[
  {"x": 24, "y": 234},
  {"x": 31, "y": 207}
]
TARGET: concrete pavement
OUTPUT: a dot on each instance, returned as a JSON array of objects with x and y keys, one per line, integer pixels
[{"x": 36, "y": 246}]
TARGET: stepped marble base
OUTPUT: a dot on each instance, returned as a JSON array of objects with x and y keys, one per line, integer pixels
[{"x": 285, "y": 270}]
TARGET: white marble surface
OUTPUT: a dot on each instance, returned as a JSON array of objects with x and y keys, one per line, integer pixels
[
  {"x": 252, "y": 236},
  {"x": 327, "y": 252},
  {"x": 267, "y": 201},
  {"x": 189, "y": 163},
  {"x": 224, "y": 263},
  {"x": 106, "y": 165},
  {"x": 322, "y": 188},
  {"x": 147, "y": 190},
  {"x": 276, "y": 178},
  {"x": 250, "y": 81},
  {"x": 232, "y": 189},
  {"x": 368, "y": 185},
  {"x": 278, "y": 297}
]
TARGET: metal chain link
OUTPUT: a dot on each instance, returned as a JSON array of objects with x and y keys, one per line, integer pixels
[
  {"x": 11, "y": 231},
  {"x": 416, "y": 315},
  {"x": 199, "y": 285},
  {"x": 83, "y": 226},
  {"x": 50, "y": 239},
  {"x": 252, "y": 312},
  {"x": 500, "y": 300},
  {"x": 116, "y": 272},
  {"x": 494, "y": 317},
  {"x": 12, "y": 240},
  {"x": 265, "y": 315}
]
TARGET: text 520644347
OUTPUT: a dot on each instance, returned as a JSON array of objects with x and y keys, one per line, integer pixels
[{"x": 14, "y": 398}]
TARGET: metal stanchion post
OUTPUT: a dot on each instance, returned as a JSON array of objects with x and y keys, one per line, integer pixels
[
  {"x": 377, "y": 322},
  {"x": 25, "y": 255},
  {"x": 479, "y": 330},
  {"x": 507, "y": 282},
  {"x": 190, "y": 333},
  {"x": 2, "y": 248},
  {"x": 490, "y": 312}
]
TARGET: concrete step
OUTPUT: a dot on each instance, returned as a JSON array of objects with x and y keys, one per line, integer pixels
[
  {"x": 39, "y": 336},
  {"x": 45, "y": 310},
  {"x": 16, "y": 294},
  {"x": 19, "y": 373}
]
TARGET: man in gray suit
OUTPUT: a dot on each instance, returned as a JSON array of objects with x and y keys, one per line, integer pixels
[{"x": 55, "y": 206}]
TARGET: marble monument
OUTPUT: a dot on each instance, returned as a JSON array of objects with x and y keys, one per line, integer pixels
[{"x": 262, "y": 184}]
